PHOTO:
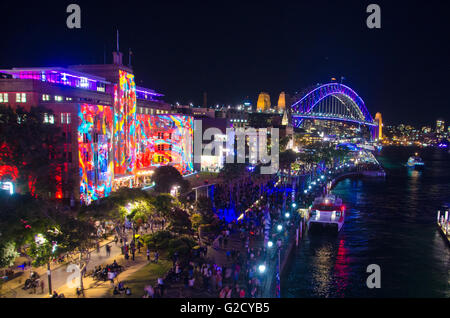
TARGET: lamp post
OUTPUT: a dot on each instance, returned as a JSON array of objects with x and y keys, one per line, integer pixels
[{"x": 49, "y": 275}]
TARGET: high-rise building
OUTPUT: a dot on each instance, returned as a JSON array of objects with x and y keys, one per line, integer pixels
[
  {"x": 263, "y": 104},
  {"x": 440, "y": 126}
]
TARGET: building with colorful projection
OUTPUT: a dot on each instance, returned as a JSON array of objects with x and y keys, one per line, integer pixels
[{"x": 115, "y": 133}]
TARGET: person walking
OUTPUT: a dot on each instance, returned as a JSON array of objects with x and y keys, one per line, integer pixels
[
  {"x": 42, "y": 286},
  {"x": 161, "y": 286},
  {"x": 148, "y": 254}
]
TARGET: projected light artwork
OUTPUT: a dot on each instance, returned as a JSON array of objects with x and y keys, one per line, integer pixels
[
  {"x": 164, "y": 140},
  {"x": 95, "y": 150},
  {"x": 125, "y": 124}
]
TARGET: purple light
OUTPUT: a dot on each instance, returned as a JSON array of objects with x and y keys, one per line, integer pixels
[{"x": 332, "y": 89}]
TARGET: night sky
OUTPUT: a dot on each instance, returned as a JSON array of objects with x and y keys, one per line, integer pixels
[{"x": 237, "y": 49}]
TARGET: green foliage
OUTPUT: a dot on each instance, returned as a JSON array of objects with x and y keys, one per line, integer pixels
[
  {"x": 7, "y": 253},
  {"x": 163, "y": 203},
  {"x": 166, "y": 177},
  {"x": 287, "y": 158},
  {"x": 183, "y": 245},
  {"x": 158, "y": 240},
  {"x": 179, "y": 221},
  {"x": 283, "y": 143},
  {"x": 41, "y": 254},
  {"x": 205, "y": 208},
  {"x": 22, "y": 217},
  {"x": 196, "y": 221},
  {"x": 113, "y": 206}
]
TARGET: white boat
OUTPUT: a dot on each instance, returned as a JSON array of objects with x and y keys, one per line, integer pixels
[
  {"x": 415, "y": 162},
  {"x": 327, "y": 211}
]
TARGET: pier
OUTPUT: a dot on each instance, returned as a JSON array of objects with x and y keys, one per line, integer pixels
[
  {"x": 278, "y": 258},
  {"x": 444, "y": 226}
]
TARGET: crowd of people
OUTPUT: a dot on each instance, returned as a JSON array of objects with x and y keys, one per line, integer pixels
[
  {"x": 238, "y": 274},
  {"x": 108, "y": 272}
]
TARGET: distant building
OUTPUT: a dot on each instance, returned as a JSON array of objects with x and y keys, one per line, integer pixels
[
  {"x": 281, "y": 102},
  {"x": 263, "y": 104},
  {"x": 440, "y": 126},
  {"x": 380, "y": 125}
]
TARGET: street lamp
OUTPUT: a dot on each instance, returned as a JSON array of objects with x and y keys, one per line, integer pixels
[
  {"x": 279, "y": 227},
  {"x": 269, "y": 244},
  {"x": 287, "y": 215},
  {"x": 262, "y": 268}
]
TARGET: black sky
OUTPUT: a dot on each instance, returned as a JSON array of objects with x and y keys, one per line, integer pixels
[{"x": 237, "y": 49}]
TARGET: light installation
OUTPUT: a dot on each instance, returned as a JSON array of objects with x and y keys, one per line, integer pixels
[
  {"x": 164, "y": 140},
  {"x": 95, "y": 151},
  {"x": 125, "y": 124}
]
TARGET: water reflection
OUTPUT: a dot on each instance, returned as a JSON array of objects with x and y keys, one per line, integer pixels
[{"x": 391, "y": 222}]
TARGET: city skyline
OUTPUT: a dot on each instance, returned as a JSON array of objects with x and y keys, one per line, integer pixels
[{"x": 249, "y": 48}]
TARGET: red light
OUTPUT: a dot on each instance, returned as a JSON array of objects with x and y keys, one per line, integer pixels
[{"x": 343, "y": 208}]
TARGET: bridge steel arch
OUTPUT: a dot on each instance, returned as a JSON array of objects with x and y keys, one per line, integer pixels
[{"x": 357, "y": 111}]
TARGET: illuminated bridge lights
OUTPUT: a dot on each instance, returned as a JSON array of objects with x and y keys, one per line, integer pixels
[{"x": 332, "y": 101}]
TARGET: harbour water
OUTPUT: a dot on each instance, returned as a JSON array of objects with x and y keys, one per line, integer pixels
[{"x": 390, "y": 222}]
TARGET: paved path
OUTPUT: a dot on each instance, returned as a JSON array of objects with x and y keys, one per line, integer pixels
[{"x": 59, "y": 274}]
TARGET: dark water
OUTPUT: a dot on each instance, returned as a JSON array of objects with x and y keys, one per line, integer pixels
[{"x": 390, "y": 222}]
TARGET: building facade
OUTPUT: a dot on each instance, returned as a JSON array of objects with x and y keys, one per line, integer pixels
[{"x": 115, "y": 133}]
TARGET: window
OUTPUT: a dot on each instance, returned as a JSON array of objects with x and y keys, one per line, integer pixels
[
  {"x": 69, "y": 98},
  {"x": 45, "y": 97},
  {"x": 3, "y": 97},
  {"x": 65, "y": 118},
  {"x": 49, "y": 118},
  {"x": 58, "y": 98},
  {"x": 21, "y": 97},
  {"x": 100, "y": 87}
]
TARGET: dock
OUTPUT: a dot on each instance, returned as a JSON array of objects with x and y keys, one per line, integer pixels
[{"x": 443, "y": 224}]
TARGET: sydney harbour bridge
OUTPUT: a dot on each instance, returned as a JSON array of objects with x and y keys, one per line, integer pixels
[{"x": 334, "y": 101}]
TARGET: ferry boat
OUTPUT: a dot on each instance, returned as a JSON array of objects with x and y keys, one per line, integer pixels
[
  {"x": 415, "y": 162},
  {"x": 327, "y": 211}
]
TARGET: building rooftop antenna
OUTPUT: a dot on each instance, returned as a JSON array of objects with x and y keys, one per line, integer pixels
[{"x": 117, "y": 43}]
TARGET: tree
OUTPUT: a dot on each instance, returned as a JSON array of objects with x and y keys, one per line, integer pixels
[
  {"x": 166, "y": 177},
  {"x": 284, "y": 142},
  {"x": 233, "y": 171},
  {"x": 29, "y": 149},
  {"x": 287, "y": 158},
  {"x": 7, "y": 253},
  {"x": 204, "y": 207},
  {"x": 179, "y": 221},
  {"x": 163, "y": 204}
]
